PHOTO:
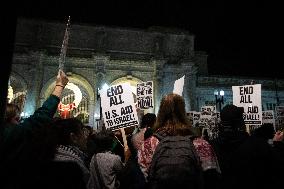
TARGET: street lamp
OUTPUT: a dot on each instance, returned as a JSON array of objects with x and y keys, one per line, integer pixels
[
  {"x": 99, "y": 116},
  {"x": 219, "y": 98}
]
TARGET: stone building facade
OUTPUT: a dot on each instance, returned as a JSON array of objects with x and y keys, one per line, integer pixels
[{"x": 111, "y": 55}]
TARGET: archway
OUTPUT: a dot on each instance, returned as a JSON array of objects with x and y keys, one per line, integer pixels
[
  {"x": 18, "y": 90},
  {"x": 85, "y": 107}
]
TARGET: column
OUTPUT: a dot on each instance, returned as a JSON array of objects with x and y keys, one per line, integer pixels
[
  {"x": 91, "y": 112},
  {"x": 158, "y": 82},
  {"x": 100, "y": 61},
  {"x": 190, "y": 85},
  {"x": 35, "y": 82}
]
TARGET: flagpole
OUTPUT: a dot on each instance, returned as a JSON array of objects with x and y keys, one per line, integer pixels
[{"x": 64, "y": 46}]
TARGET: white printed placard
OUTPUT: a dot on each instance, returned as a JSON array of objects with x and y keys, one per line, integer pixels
[
  {"x": 190, "y": 116},
  {"x": 118, "y": 107},
  {"x": 249, "y": 97},
  {"x": 279, "y": 117},
  {"x": 279, "y": 111},
  {"x": 208, "y": 109},
  {"x": 268, "y": 117},
  {"x": 178, "y": 86},
  {"x": 196, "y": 118},
  {"x": 145, "y": 95}
]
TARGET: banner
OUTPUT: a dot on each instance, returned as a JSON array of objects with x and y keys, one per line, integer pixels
[
  {"x": 145, "y": 95},
  {"x": 118, "y": 107},
  {"x": 249, "y": 97}
]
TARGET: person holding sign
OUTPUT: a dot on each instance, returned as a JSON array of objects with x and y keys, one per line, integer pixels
[{"x": 244, "y": 160}]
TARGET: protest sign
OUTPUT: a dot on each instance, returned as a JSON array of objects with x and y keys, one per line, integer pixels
[
  {"x": 208, "y": 109},
  {"x": 118, "y": 108},
  {"x": 249, "y": 97},
  {"x": 190, "y": 117},
  {"x": 145, "y": 95},
  {"x": 194, "y": 118},
  {"x": 268, "y": 117},
  {"x": 178, "y": 86},
  {"x": 279, "y": 111}
]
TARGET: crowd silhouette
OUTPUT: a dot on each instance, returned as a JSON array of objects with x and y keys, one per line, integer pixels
[{"x": 163, "y": 152}]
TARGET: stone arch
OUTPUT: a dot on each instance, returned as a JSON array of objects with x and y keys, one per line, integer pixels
[
  {"x": 74, "y": 78},
  {"x": 19, "y": 87},
  {"x": 128, "y": 79},
  {"x": 84, "y": 84}
]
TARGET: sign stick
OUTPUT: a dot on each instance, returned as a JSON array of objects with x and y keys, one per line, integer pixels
[{"x": 124, "y": 139}]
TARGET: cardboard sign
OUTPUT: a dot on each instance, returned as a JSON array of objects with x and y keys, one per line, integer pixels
[
  {"x": 249, "y": 97},
  {"x": 178, "y": 86},
  {"x": 145, "y": 95},
  {"x": 118, "y": 107}
]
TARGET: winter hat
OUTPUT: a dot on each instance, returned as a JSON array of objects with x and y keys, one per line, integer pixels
[{"x": 232, "y": 117}]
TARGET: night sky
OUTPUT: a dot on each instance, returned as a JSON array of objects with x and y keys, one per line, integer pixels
[{"x": 240, "y": 38}]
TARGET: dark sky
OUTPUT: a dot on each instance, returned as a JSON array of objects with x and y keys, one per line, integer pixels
[{"x": 241, "y": 38}]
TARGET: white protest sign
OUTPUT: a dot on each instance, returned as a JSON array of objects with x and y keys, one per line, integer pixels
[
  {"x": 118, "y": 107},
  {"x": 217, "y": 116},
  {"x": 145, "y": 95},
  {"x": 196, "y": 118},
  {"x": 208, "y": 120},
  {"x": 208, "y": 109},
  {"x": 193, "y": 117},
  {"x": 249, "y": 97},
  {"x": 268, "y": 117},
  {"x": 190, "y": 116},
  {"x": 279, "y": 111},
  {"x": 178, "y": 86}
]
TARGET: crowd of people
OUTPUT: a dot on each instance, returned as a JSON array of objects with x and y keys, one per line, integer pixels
[{"x": 164, "y": 151}]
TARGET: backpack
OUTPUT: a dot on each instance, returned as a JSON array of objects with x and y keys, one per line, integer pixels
[{"x": 175, "y": 164}]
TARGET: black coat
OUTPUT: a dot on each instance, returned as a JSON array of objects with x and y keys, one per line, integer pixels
[{"x": 246, "y": 162}]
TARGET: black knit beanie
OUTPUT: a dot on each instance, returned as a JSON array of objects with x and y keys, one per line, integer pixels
[{"x": 232, "y": 117}]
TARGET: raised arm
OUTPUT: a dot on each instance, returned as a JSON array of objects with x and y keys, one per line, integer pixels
[{"x": 49, "y": 107}]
